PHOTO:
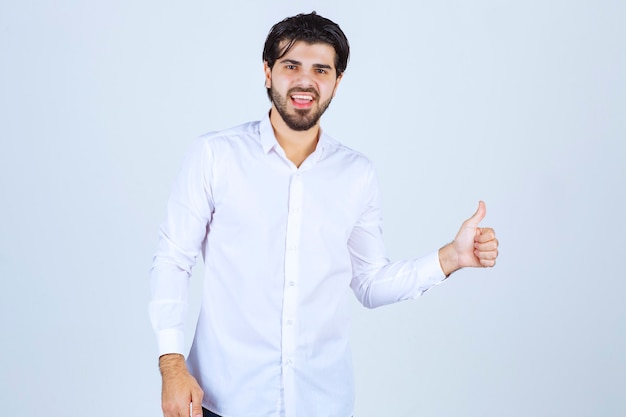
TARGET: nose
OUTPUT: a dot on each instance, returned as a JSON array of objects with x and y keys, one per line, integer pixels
[{"x": 304, "y": 80}]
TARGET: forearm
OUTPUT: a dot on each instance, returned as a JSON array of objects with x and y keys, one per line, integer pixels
[
  {"x": 397, "y": 281},
  {"x": 168, "y": 307}
]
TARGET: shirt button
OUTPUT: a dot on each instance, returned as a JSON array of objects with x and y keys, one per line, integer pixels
[
  {"x": 289, "y": 362},
  {"x": 290, "y": 322},
  {"x": 292, "y": 283}
]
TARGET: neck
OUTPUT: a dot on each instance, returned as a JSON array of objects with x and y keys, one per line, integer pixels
[{"x": 298, "y": 145}]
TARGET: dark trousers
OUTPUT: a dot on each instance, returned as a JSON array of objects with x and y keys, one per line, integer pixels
[{"x": 207, "y": 413}]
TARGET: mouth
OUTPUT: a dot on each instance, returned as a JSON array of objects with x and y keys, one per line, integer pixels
[{"x": 302, "y": 100}]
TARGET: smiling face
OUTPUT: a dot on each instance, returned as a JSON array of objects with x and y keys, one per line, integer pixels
[{"x": 302, "y": 84}]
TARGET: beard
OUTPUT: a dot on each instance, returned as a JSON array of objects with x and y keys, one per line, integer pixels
[{"x": 301, "y": 119}]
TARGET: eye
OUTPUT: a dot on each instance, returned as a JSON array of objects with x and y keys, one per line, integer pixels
[
  {"x": 290, "y": 67},
  {"x": 321, "y": 71}
]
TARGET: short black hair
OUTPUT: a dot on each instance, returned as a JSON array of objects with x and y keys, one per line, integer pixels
[{"x": 310, "y": 28}]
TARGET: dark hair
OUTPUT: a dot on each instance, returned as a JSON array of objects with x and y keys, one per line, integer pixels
[{"x": 310, "y": 28}]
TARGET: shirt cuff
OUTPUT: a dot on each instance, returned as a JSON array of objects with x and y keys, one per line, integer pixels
[
  {"x": 431, "y": 271},
  {"x": 170, "y": 341}
]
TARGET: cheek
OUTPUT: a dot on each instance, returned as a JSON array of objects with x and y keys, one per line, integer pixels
[
  {"x": 276, "y": 82},
  {"x": 329, "y": 90}
]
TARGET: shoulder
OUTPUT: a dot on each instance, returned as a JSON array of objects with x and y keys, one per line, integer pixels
[
  {"x": 237, "y": 135},
  {"x": 351, "y": 158},
  {"x": 222, "y": 145}
]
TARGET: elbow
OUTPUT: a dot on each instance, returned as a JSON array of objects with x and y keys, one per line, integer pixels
[{"x": 362, "y": 294}]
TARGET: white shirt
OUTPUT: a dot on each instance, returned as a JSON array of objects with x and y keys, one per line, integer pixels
[{"x": 281, "y": 245}]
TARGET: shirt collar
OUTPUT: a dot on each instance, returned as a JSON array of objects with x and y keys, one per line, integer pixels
[{"x": 269, "y": 142}]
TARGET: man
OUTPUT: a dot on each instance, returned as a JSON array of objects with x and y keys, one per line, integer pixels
[{"x": 286, "y": 219}]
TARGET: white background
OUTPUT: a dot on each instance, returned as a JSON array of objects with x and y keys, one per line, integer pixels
[{"x": 521, "y": 104}]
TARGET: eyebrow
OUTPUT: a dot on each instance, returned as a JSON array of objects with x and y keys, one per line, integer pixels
[
  {"x": 294, "y": 62},
  {"x": 290, "y": 61}
]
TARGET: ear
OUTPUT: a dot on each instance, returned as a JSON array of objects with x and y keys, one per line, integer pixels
[
  {"x": 268, "y": 75},
  {"x": 339, "y": 78}
]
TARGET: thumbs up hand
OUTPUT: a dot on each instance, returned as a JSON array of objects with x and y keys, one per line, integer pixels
[{"x": 473, "y": 246}]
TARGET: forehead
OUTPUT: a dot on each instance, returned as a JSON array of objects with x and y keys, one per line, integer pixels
[{"x": 312, "y": 53}]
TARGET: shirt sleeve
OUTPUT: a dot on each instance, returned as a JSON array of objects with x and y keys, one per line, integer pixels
[
  {"x": 375, "y": 280},
  {"x": 181, "y": 237}
]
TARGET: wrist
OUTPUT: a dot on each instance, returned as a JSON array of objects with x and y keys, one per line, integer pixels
[
  {"x": 172, "y": 363},
  {"x": 448, "y": 259}
]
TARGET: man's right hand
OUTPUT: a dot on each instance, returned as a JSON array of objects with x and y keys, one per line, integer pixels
[{"x": 180, "y": 389}]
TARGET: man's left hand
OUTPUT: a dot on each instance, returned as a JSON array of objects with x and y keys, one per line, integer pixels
[{"x": 473, "y": 246}]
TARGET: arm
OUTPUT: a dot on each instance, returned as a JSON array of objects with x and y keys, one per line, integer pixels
[
  {"x": 181, "y": 237},
  {"x": 376, "y": 281}
]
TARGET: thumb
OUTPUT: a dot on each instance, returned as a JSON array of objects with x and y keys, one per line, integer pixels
[
  {"x": 478, "y": 216},
  {"x": 195, "y": 407}
]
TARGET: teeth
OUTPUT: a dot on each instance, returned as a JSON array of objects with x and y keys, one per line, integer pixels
[{"x": 298, "y": 97}]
